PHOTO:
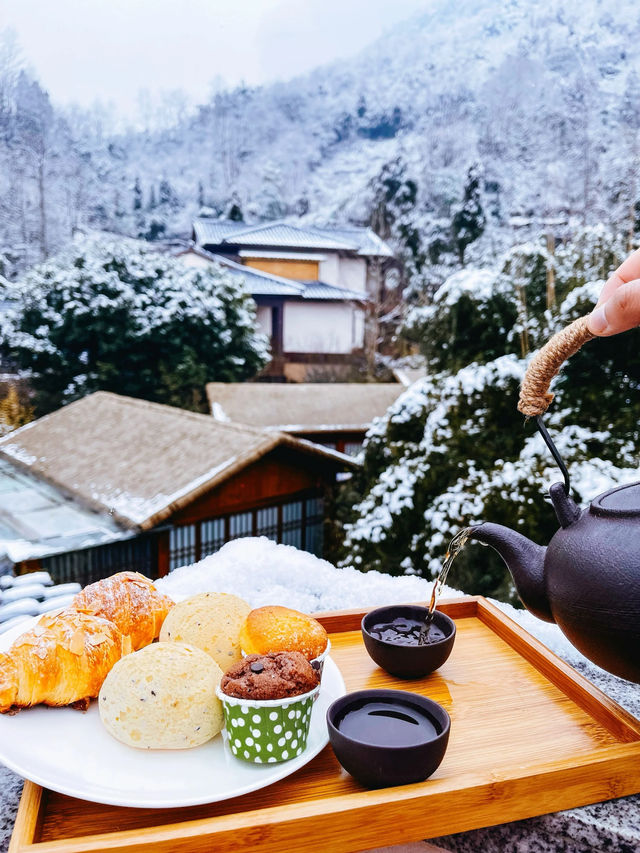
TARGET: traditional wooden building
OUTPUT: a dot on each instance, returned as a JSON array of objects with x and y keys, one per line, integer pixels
[
  {"x": 334, "y": 414},
  {"x": 312, "y": 287},
  {"x": 162, "y": 486}
]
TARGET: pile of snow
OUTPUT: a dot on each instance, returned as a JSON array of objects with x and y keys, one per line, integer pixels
[{"x": 262, "y": 572}]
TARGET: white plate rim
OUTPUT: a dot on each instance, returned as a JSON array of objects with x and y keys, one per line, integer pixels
[{"x": 272, "y": 772}]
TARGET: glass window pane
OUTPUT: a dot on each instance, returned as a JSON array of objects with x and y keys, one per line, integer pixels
[
  {"x": 352, "y": 448},
  {"x": 292, "y": 512},
  {"x": 267, "y": 522},
  {"x": 240, "y": 524},
  {"x": 314, "y": 527},
  {"x": 292, "y": 524},
  {"x": 211, "y": 536},
  {"x": 182, "y": 546}
]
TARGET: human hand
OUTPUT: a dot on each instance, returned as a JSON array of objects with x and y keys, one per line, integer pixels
[{"x": 618, "y": 308}]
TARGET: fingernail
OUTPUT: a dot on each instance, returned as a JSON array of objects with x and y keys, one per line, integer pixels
[{"x": 598, "y": 321}]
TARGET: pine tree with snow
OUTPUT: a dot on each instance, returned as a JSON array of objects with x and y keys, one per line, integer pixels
[
  {"x": 137, "y": 195},
  {"x": 454, "y": 451},
  {"x": 469, "y": 221},
  {"x": 118, "y": 316},
  {"x": 167, "y": 196},
  {"x": 234, "y": 212}
]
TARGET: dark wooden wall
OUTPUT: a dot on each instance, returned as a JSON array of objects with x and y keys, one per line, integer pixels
[{"x": 278, "y": 474}]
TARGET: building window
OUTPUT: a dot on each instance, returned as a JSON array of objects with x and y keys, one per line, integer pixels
[
  {"x": 292, "y": 524},
  {"x": 352, "y": 448},
  {"x": 182, "y": 545},
  {"x": 314, "y": 517},
  {"x": 298, "y": 523},
  {"x": 267, "y": 522},
  {"x": 240, "y": 524},
  {"x": 211, "y": 536}
]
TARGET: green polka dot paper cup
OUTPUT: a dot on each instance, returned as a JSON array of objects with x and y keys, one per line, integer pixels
[
  {"x": 318, "y": 663},
  {"x": 267, "y": 731}
]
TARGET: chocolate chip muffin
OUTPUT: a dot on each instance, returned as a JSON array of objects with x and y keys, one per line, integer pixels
[{"x": 272, "y": 676}]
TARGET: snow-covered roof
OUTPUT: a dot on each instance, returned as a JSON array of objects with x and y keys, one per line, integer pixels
[
  {"x": 365, "y": 239},
  {"x": 321, "y": 290},
  {"x": 37, "y": 520},
  {"x": 303, "y": 407},
  {"x": 408, "y": 375},
  {"x": 258, "y": 283},
  {"x": 261, "y": 283},
  {"x": 141, "y": 461},
  {"x": 362, "y": 241},
  {"x": 271, "y": 234},
  {"x": 215, "y": 230}
]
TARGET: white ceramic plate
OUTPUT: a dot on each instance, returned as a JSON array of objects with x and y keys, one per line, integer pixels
[{"x": 71, "y": 752}]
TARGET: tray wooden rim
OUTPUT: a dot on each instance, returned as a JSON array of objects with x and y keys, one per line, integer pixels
[{"x": 533, "y": 789}]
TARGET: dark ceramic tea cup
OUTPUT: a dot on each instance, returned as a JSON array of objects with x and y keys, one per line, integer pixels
[
  {"x": 408, "y": 661},
  {"x": 384, "y": 754}
]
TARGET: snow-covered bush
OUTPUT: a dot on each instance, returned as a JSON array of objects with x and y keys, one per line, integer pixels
[
  {"x": 118, "y": 316},
  {"x": 470, "y": 318},
  {"x": 480, "y": 314},
  {"x": 453, "y": 450}
]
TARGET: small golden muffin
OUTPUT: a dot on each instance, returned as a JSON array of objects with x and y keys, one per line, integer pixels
[
  {"x": 280, "y": 629},
  {"x": 162, "y": 697},
  {"x": 211, "y": 621}
]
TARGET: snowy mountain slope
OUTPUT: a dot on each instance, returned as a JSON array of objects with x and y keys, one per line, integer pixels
[
  {"x": 457, "y": 77},
  {"x": 544, "y": 96}
]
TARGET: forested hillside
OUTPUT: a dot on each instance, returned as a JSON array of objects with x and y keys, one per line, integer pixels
[{"x": 542, "y": 100}]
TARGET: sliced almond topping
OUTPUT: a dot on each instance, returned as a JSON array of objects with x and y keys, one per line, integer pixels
[
  {"x": 97, "y": 639},
  {"x": 126, "y": 645},
  {"x": 76, "y": 647}
]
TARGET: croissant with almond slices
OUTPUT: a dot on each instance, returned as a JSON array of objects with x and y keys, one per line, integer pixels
[
  {"x": 66, "y": 656},
  {"x": 62, "y": 660},
  {"x": 130, "y": 601}
]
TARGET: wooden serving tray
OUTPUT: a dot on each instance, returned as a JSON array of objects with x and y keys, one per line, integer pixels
[{"x": 528, "y": 736}]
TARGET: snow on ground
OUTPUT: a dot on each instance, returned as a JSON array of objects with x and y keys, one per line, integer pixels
[{"x": 263, "y": 572}]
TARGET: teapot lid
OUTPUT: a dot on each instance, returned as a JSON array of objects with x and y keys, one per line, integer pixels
[{"x": 621, "y": 501}]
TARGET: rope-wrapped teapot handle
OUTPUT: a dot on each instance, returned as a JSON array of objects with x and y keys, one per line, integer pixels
[{"x": 535, "y": 396}]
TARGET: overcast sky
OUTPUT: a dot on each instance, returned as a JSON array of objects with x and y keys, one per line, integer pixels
[{"x": 84, "y": 50}]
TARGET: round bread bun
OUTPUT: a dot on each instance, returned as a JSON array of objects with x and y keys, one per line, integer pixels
[
  {"x": 211, "y": 621},
  {"x": 162, "y": 697},
  {"x": 280, "y": 629}
]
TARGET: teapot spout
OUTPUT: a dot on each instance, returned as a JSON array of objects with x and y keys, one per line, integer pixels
[{"x": 525, "y": 561}]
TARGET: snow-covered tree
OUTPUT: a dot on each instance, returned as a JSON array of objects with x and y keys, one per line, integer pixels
[
  {"x": 468, "y": 220},
  {"x": 137, "y": 195},
  {"x": 234, "y": 212},
  {"x": 453, "y": 450},
  {"x": 106, "y": 315}
]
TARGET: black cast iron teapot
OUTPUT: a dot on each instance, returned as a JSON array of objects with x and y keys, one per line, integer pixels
[{"x": 588, "y": 578}]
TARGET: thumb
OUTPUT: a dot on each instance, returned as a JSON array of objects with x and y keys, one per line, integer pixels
[{"x": 619, "y": 313}]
